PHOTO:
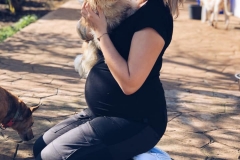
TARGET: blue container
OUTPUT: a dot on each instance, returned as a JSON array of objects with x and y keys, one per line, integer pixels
[
  {"x": 198, "y": 2},
  {"x": 153, "y": 154},
  {"x": 232, "y": 3}
]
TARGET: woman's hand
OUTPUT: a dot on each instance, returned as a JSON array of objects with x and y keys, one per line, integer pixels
[{"x": 97, "y": 20}]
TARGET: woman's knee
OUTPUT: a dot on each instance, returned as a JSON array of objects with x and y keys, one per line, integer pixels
[{"x": 48, "y": 153}]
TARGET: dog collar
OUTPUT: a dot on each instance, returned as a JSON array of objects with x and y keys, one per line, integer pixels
[{"x": 11, "y": 122}]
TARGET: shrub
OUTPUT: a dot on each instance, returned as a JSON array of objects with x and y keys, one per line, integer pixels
[{"x": 8, "y": 31}]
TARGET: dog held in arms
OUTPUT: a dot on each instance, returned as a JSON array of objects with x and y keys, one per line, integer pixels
[
  {"x": 15, "y": 114},
  {"x": 211, "y": 8},
  {"x": 115, "y": 11}
]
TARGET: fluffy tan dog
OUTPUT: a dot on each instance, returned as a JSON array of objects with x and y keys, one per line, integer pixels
[
  {"x": 115, "y": 11},
  {"x": 15, "y": 114}
]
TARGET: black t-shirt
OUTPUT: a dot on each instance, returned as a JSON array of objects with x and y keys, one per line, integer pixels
[{"x": 103, "y": 94}]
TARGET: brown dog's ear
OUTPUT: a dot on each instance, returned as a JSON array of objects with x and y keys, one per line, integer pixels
[
  {"x": 32, "y": 109},
  {"x": 27, "y": 113}
]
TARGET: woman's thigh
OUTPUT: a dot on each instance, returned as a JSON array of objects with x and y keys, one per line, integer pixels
[
  {"x": 124, "y": 138},
  {"x": 60, "y": 129},
  {"x": 107, "y": 138}
]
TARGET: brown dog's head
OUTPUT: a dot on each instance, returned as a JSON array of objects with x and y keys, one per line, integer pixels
[
  {"x": 15, "y": 114},
  {"x": 23, "y": 123}
]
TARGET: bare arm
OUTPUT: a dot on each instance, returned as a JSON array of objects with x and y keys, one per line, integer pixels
[{"x": 145, "y": 48}]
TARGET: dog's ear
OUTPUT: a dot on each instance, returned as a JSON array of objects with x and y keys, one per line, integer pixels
[
  {"x": 32, "y": 109},
  {"x": 28, "y": 113}
]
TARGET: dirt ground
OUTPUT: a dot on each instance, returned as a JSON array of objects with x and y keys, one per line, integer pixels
[{"x": 37, "y": 7}]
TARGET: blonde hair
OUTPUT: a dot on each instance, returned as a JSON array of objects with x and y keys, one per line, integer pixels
[{"x": 174, "y": 6}]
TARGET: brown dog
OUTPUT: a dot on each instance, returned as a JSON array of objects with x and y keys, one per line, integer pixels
[{"x": 15, "y": 114}]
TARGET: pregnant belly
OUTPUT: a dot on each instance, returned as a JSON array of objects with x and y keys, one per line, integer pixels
[
  {"x": 105, "y": 97},
  {"x": 102, "y": 92}
]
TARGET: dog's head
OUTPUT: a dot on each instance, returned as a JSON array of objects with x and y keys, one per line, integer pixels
[
  {"x": 102, "y": 4},
  {"x": 23, "y": 123},
  {"x": 114, "y": 10},
  {"x": 15, "y": 114},
  {"x": 107, "y": 6}
]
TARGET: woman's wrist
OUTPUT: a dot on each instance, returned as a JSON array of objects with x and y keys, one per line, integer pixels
[
  {"x": 99, "y": 38},
  {"x": 99, "y": 32}
]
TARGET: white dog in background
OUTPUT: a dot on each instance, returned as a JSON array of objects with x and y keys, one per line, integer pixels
[{"x": 211, "y": 8}]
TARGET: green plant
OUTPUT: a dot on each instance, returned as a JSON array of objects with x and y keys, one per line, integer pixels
[{"x": 11, "y": 30}]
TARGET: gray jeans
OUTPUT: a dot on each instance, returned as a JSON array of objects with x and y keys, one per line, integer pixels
[{"x": 87, "y": 137}]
